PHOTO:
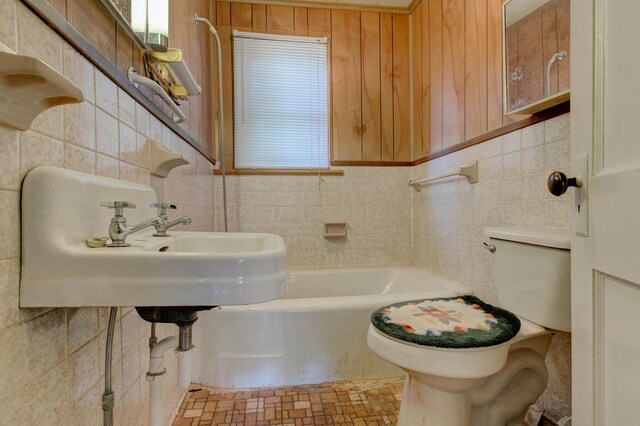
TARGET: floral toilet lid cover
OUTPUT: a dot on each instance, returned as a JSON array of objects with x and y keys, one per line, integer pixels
[{"x": 451, "y": 322}]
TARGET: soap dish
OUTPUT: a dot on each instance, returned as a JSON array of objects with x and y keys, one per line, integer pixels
[
  {"x": 97, "y": 242},
  {"x": 335, "y": 230}
]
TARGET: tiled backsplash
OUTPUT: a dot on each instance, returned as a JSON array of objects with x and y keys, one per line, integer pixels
[
  {"x": 449, "y": 217},
  {"x": 374, "y": 202},
  {"x": 52, "y": 360}
]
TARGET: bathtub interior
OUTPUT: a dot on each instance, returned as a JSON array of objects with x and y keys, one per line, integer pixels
[
  {"x": 316, "y": 334},
  {"x": 362, "y": 282}
]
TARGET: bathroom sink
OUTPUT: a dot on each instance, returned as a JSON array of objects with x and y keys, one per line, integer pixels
[
  {"x": 219, "y": 243},
  {"x": 61, "y": 209}
]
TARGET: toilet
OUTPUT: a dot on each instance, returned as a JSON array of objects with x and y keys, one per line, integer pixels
[{"x": 481, "y": 365}]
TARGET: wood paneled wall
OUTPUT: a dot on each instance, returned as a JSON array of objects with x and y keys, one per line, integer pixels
[
  {"x": 95, "y": 24},
  {"x": 369, "y": 72},
  {"x": 457, "y": 72}
]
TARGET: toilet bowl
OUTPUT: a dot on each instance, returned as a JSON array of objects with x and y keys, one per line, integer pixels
[{"x": 492, "y": 384}]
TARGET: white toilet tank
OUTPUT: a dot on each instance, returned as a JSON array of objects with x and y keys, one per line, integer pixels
[{"x": 532, "y": 270}]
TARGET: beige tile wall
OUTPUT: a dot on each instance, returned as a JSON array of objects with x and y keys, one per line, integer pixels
[
  {"x": 373, "y": 201},
  {"x": 52, "y": 360},
  {"x": 449, "y": 217}
]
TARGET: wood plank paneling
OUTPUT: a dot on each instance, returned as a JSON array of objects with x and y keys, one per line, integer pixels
[
  {"x": 259, "y": 16},
  {"x": 319, "y": 20},
  {"x": 426, "y": 112},
  {"x": 475, "y": 88},
  {"x": 401, "y": 89},
  {"x": 300, "y": 21},
  {"x": 280, "y": 19},
  {"x": 415, "y": 24},
  {"x": 453, "y": 58},
  {"x": 124, "y": 52},
  {"x": 223, "y": 13},
  {"x": 93, "y": 21},
  {"x": 241, "y": 15},
  {"x": 494, "y": 64},
  {"x": 227, "y": 79},
  {"x": 60, "y": 6},
  {"x": 346, "y": 85},
  {"x": 386, "y": 85},
  {"x": 435, "y": 75},
  {"x": 370, "y": 36}
]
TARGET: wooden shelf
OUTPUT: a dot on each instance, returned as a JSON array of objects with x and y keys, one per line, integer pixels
[{"x": 28, "y": 86}]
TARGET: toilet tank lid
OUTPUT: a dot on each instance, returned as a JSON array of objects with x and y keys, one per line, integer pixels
[{"x": 555, "y": 238}]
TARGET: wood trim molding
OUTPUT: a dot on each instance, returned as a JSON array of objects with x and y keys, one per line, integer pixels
[
  {"x": 336, "y": 6},
  {"x": 371, "y": 163},
  {"x": 60, "y": 25},
  {"x": 236, "y": 172},
  {"x": 548, "y": 114},
  {"x": 413, "y": 5}
]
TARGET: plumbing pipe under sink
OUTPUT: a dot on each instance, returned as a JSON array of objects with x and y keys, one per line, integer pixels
[{"x": 155, "y": 375}]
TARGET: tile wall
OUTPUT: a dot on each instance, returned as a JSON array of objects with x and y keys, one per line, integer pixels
[
  {"x": 52, "y": 360},
  {"x": 449, "y": 217},
  {"x": 374, "y": 202}
]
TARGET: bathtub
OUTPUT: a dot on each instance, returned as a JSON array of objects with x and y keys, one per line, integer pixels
[{"x": 315, "y": 333}]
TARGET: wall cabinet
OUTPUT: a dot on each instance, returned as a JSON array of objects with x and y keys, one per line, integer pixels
[{"x": 537, "y": 59}]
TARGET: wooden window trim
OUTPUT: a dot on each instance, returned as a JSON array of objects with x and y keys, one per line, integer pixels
[{"x": 279, "y": 172}]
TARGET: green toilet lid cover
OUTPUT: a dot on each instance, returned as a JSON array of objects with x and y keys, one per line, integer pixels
[{"x": 449, "y": 322}]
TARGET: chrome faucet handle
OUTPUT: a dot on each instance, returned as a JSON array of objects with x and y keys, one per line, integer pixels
[
  {"x": 118, "y": 206},
  {"x": 163, "y": 208}
]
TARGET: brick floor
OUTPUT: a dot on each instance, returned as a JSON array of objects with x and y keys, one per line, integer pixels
[{"x": 365, "y": 403}]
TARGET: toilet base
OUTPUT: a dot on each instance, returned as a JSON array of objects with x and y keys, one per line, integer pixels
[{"x": 498, "y": 400}]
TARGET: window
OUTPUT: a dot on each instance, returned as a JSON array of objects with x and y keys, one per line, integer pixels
[{"x": 280, "y": 102}]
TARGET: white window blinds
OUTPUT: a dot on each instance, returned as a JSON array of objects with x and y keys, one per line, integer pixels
[{"x": 280, "y": 102}]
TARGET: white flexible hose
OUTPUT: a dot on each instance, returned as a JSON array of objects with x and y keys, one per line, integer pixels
[{"x": 213, "y": 31}]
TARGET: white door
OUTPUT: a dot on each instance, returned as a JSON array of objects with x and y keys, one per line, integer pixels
[{"x": 605, "y": 124}]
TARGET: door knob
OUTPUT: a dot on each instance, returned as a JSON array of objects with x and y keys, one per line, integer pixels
[{"x": 558, "y": 183}]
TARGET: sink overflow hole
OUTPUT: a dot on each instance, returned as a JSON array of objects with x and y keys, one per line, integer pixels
[{"x": 163, "y": 249}]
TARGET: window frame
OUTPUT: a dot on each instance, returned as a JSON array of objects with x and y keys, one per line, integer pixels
[{"x": 283, "y": 170}]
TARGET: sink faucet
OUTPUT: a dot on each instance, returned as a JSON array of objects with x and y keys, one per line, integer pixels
[
  {"x": 118, "y": 228},
  {"x": 161, "y": 229}
]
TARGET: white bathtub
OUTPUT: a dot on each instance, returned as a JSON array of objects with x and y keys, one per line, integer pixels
[{"x": 314, "y": 334}]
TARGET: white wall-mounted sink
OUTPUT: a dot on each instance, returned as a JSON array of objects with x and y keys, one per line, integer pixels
[{"x": 61, "y": 209}]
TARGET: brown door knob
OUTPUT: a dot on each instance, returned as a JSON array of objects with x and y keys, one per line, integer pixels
[{"x": 558, "y": 183}]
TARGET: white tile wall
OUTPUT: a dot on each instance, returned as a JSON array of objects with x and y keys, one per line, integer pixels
[
  {"x": 374, "y": 201},
  {"x": 52, "y": 360},
  {"x": 449, "y": 217}
]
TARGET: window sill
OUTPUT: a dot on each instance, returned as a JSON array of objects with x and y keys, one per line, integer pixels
[{"x": 276, "y": 172}]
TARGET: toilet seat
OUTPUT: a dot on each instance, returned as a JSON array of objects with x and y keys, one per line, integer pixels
[
  {"x": 447, "y": 322},
  {"x": 458, "y": 363}
]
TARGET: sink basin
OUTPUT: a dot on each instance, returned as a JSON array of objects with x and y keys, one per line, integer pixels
[
  {"x": 61, "y": 209},
  {"x": 219, "y": 243}
]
